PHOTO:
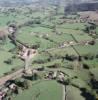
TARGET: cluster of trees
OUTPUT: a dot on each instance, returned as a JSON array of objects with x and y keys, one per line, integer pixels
[
  {"x": 9, "y": 61},
  {"x": 90, "y": 56},
  {"x": 23, "y": 83},
  {"x": 90, "y": 28},
  {"x": 93, "y": 81},
  {"x": 87, "y": 94},
  {"x": 55, "y": 65},
  {"x": 70, "y": 57},
  {"x": 47, "y": 26},
  {"x": 30, "y": 23},
  {"x": 36, "y": 46},
  {"x": 42, "y": 60}
]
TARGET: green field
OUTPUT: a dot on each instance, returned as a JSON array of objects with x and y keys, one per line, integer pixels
[
  {"x": 54, "y": 33},
  {"x": 46, "y": 89},
  {"x": 4, "y": 56},
  {"x": 89, "y": 49}
]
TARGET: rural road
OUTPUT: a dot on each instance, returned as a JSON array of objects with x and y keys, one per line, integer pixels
[
  {"x": 63, "y": 88},
  {"x": 11, "y": 76}
]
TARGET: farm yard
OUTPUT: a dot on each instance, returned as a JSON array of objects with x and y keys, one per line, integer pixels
[{"x": 57, "y": 53}]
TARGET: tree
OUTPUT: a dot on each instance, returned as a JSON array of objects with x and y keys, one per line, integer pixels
[
  {"x": 87, "y": 29},
  {"x": 23, "y": 83},
  {"x": 9, "y": 61}
]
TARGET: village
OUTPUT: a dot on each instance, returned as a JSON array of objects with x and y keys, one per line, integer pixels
[{"x": 48, "y": 52}]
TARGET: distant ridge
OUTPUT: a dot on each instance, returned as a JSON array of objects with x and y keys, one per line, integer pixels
[
  {"x": 88, "y": 6},
  {"x": 8, "y": 3}
]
